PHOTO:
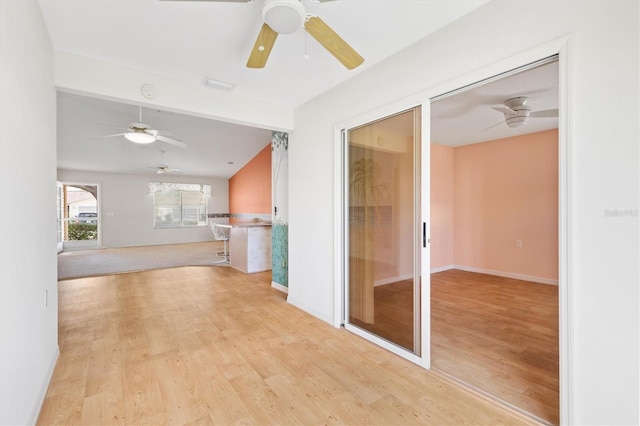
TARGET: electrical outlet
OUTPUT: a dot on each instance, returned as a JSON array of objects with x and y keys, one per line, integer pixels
[{"x": 518, "y": 243}]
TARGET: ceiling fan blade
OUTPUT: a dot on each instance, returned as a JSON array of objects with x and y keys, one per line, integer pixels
[
  {"x": 547, "y": 113},
  {"x": 164, "y": 133},
  {"x": 333, "y": 42},
  {"x": 493, "y": 125},
  {"x": 109, "y": 136},
  {"x": 262, "y": 47},
  {"x": 112, "y": 126},
  {"x": 505, "y": 110},
  {"x": 171, "y": 141}
]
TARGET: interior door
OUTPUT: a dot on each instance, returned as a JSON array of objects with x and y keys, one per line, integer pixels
[{"x": 383, "y": 232}]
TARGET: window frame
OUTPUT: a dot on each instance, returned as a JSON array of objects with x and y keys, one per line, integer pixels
[{"x": 178, "y": 207}]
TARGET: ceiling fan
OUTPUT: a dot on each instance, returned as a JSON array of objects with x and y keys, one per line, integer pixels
[
  {"x": 163, "y": 168},
  {"x": 517, "y": 112},
  {"x": 142, "y": 133},
  {"x": 287, "y": 16}
]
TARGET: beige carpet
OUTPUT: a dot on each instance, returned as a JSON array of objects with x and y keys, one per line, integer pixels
[{"x": 89, "y": 263}]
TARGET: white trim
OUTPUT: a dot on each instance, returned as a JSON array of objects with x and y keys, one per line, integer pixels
[
  {"x": 515, "y": 276},
  {"x": 338, "y": 220},
  {"x": 391, "y": 280},
  {"x": 280, "y": 287},
  {"x": 42, "y": 393},
  {"x": 385, "y": 344},
  {"x": 512, "y": 275},
  {"x": 565, "y": 232},
  {"x": 309, "y": 310},
  {"x": 424, "y": 230},
  {"x": 97, "y": 242},
  {"x": 442, "y": 268}
]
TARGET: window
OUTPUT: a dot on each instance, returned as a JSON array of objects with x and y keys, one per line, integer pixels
[{"x": 177, "y": 205}]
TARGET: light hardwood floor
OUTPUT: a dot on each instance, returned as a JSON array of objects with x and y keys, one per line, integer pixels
[
  {"x": 499, "y": 335},
  {"x": 207, "y": 345},
  {"x": 496, "y": 334}
]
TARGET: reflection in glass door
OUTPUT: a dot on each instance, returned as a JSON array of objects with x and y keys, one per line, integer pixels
[{"x": 382, "y": 231}]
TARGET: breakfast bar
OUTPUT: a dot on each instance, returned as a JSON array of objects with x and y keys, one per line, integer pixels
[{"x": 250, "y": 246}]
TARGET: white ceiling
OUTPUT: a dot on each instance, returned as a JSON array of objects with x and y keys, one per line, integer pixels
[
  {"x": 82, "y": 122},
  {"x": 468, "y": 117},
  {"x": 188, "y": 40}
]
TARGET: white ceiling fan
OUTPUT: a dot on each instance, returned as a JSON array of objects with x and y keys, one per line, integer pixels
[
  {"x": 163, "y": 167},
  {"x": 288, "y": 16},
  {"x": 517, "y": 112},
  {"x": 142, "y": 133}
]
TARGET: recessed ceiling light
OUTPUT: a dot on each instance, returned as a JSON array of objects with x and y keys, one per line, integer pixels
[{"x": 217, "y": 84}]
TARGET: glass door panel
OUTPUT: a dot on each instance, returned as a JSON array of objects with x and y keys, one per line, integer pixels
[{"x": 383, "y": 282}]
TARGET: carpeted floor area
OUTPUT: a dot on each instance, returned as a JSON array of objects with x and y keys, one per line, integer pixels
[{"x": 90, "y": 263}]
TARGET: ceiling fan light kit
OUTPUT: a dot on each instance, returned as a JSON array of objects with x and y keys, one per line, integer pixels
[
  {"x": 283, "y": 16},
  {"x": 164, "y": 168},
  {"x": 287, "y": 16},
  {"x": 517, "y": 113},
  {"x": 139, "y": 135},
  {"x": 142, "y": 133}
]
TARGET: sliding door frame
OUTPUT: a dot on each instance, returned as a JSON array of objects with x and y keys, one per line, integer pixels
[
  {"x": 93, "y": 244},
  {"x": 561, "y": 47},
  {"x": 422, "y": 261}
]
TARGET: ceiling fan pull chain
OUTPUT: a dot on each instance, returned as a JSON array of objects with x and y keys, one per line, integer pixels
[{"x": 306, "y": 53}]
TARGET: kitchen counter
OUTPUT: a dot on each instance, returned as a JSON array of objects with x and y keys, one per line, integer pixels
[{"x": 250, "y": 246}]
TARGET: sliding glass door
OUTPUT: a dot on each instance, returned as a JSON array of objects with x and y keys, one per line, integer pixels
[{"x": 382, "y": 233}]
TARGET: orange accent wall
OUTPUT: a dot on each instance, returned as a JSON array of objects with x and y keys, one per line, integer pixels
[
  {"x": 250, "y": 187},
  {"x": 503, "y": 190}
]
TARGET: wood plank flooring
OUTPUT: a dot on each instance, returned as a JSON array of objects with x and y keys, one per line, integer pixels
[
  {"x": 393, "y": 314},
  {"x": 499, "y": 335},
  {"x": 210, "y": 345},
  {"x": 496, "y": 334}
]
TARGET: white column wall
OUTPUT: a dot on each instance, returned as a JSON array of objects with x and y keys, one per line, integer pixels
[{"x": 28, "y": 326}]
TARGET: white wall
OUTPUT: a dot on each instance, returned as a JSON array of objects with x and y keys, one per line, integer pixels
[
  {"x": 602, "y": 131},
  {"x": 28, "y": 329},
  {"x": 126, "y": 207}
]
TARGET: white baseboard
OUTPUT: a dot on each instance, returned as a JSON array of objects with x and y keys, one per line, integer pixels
[
  {"x": 45, "y": 386},
  {"x": 310, "y": 311},
  {"x": 442, "y": 268},
  {"x": 280, "y": 287},
  {"x": 514, "y": 276},
  {"x": 390, "y": 280}
]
